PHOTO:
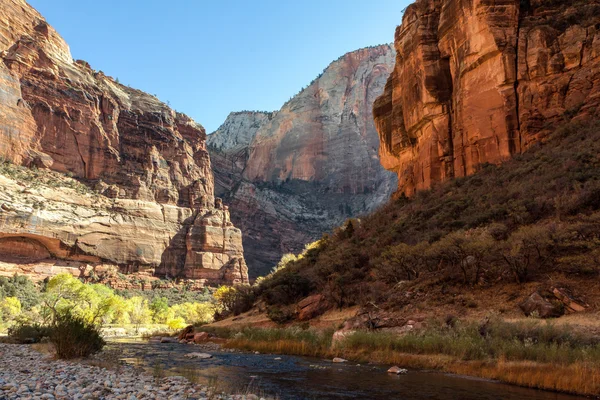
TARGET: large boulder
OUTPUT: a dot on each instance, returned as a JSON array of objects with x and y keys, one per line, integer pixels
[
  {"x": 537, "y": 305},
  {"x": 553, "y": 302},
  {"x": 571, "y": 302},
  {"x": 185, "y": 332},
  {"x": 201, "y": 337},
  {"x": 311, "y": 307}
]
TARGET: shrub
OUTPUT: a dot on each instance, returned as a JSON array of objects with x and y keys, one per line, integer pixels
[
  {"x": 23, "y": 333},
  {"x": 74, "y": 337},
  {"x": 279, "y": 315}
]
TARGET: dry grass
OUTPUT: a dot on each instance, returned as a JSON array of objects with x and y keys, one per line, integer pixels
[
  {"x": 578, "y": 378},
  {"x": 44, "y": 348}
]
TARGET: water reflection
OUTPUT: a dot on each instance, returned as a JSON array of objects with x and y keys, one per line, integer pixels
[{"x": 296, "y": 378}]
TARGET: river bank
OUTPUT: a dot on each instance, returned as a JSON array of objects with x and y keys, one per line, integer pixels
[
  {"x": 29, "y": 374},
  {"x": 533, "y": 354},
  {"x": 300, "y": 378}
]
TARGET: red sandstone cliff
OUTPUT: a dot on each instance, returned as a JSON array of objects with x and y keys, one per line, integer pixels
[
  {"x": 478, "y": 81},
  {"x": 153, "y": 206}
]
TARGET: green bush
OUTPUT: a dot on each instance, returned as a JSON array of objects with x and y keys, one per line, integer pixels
[
  {"x": 279, "y": 315},
  {"x": 25, "y": 334},
  {"x": 73, "y": 337}
]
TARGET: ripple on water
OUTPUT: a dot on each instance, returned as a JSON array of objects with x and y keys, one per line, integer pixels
[{"x": 296, "y": 378}]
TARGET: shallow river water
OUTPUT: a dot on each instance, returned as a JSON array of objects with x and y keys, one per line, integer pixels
[{"x": 296, "y": 378}]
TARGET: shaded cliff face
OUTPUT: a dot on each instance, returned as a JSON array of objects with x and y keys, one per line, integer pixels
[
  {"x": 148, "y": 164},
  {"x": 230, "y": 147},
  {"x": 294, "y": 174},
  {"x": 478, "y": 81}
]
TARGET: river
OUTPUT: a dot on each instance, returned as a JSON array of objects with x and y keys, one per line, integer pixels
[{"x": 296, "y": 378}]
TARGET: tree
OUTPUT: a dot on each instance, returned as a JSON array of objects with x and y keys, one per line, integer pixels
[
  {"x": 286, "y": 259},
  {"x": 176, "y": 324},
  {"x": 120, "y": 311},
  {"x": 527, "y": 248},
  {"x": 194, "y": 313},
  {"x": 67, "y": 294},
  {"x": 226, "y": 297},
  {"x": 401, "y": 262},
  {"x": 21, "y": 287},
  {"x": 10, "y": 308},
  {"x": 466, "y": 252},
  {"x": 139, "y": 312},
  {"x": 160, "y": 309}
]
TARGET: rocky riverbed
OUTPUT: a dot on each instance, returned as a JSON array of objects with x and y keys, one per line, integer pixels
[{"x": 28, "y": 374}]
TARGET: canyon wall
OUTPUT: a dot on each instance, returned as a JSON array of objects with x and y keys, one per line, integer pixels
[
  {"x": 151, "y": 201},
  {"x": 477, "y": 81},
  {"x": 296, "y": 173}
]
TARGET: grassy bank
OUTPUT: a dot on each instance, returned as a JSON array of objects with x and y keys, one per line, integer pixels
[{"x": 532, "y": 353}]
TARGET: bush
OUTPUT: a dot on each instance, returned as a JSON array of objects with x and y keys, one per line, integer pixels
[
  {"x": 73, "y": 337},
  {"x": 279, "y": 315},
  {"x": 25, "y": 334}
]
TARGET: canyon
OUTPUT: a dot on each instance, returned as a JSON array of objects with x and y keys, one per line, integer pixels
[
  {"x": 477, "y": 82},
  {"x": 293, "y": 174},
  {"x": 96, "y": 173}
]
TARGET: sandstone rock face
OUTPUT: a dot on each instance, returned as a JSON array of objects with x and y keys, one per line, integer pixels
[
  {"x": 478, "y": 81},
  {"x": 230, "y": 147},
  {"x": 296, "y": 173},
  {"x": 153, "y": 202}
]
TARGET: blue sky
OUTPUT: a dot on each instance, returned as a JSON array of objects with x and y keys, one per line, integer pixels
[{"x": 208, "y": 58}]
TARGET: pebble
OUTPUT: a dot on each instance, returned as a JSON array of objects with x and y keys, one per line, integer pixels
[{"x": 40, "y": 377}]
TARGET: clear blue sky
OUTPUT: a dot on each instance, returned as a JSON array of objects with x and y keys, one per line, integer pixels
[{"x": 208, "y": 58}]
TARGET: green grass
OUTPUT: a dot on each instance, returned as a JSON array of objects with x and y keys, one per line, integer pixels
[
  {"x": 523, "y": 341},
  {"x": 532, "y": 353}
]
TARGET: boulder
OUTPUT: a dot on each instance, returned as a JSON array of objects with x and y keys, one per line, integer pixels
[
  {"x": 536, "y": 304},
  {"x": 311, "y": 307},
  {"x": 340, "y": 336},
  {"x": 572, "y": 303},
  {"x": 201, "y": 337},
  {"x": 166, "y": 339},
  {"x": 397, "y": 371},
  {"x": 339, "y": 360},
  {"x": 186, "y": 331}
]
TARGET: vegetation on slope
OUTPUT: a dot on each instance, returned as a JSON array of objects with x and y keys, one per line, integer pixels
[{"x": 534, "y": 216}]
